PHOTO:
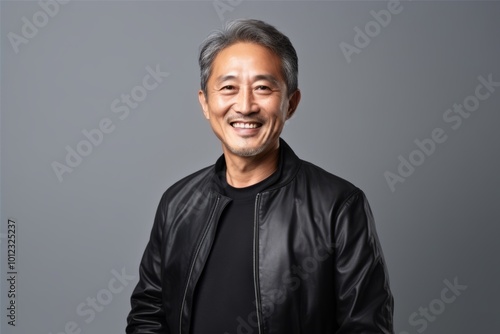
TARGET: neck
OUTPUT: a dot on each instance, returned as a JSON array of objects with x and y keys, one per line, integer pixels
[{"x": 246, "y": 171}]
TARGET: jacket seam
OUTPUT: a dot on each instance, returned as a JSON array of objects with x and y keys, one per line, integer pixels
[
  {"x": 256, "y": 271},
  {"x": 347, "y": 202},
  {"x": 191, "y": 262}
]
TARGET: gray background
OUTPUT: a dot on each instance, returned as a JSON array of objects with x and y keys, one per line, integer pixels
[{"x": 354, "y": 120}]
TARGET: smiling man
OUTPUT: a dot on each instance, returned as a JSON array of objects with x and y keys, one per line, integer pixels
[{"x": 261, "y": 241}]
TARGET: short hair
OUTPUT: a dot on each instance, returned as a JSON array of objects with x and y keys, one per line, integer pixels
[{"x": 253, "y": 31}]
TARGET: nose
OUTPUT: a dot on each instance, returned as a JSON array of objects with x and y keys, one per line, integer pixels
[{"x": 245, "y": 103}]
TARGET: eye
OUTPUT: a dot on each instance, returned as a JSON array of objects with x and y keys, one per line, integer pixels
[
  {"x": 262, "y": 87},
  {"x": 228, "y": 87}
]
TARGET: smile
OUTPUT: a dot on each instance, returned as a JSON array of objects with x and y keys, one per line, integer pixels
[{"x": 242, "y": 125}]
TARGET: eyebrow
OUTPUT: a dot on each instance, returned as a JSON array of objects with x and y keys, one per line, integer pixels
[{"x": 267, "y": 77}]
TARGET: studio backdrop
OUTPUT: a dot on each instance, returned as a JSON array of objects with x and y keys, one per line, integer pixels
[{"x": 99, "y": 116}]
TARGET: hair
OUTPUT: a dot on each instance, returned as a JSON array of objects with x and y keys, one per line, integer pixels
[{"x": 253, "y": 31}]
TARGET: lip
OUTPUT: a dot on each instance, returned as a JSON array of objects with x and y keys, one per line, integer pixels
[{"x": 245, "y": 131}]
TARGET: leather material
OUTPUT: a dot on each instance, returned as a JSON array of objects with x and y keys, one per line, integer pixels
[{"x": 318, "y": 264}]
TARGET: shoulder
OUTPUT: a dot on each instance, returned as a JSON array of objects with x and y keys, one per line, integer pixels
[
  {"x": 196, "y": 179},
  {"x": 325, "y": 184},
  {"x": 320, "y": 177},
  {"x": 194, "y": 183}
]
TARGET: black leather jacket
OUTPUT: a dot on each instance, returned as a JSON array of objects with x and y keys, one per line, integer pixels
[{"x": 318, "y": 267}]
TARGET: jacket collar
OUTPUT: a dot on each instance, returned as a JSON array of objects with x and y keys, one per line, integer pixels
[{"x": 288, "y": 166}]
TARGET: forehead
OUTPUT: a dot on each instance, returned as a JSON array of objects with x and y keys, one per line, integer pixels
[{"x": 244, "y": 58}]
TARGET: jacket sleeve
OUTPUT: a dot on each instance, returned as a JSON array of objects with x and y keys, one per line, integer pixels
[
  {"x": 147, "y": 315},
  {"x": 364, "y": 299}
]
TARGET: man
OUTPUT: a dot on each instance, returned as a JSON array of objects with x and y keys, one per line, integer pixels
[{"x": 261, "y": 241}]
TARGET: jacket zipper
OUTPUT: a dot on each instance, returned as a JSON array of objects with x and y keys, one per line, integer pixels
[
  {"x": 194, "y": 261},
  {"x": 255, "y": 263}
]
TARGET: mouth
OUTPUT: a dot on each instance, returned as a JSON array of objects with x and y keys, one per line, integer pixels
[{"x": 246, "y": 125}]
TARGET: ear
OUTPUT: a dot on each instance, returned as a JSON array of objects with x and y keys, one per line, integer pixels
[
  {"x": 203, "y": 103},
  {"x": 293, "y": 103}
]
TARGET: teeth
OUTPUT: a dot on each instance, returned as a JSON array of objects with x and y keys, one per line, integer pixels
[{"x": 245, "y": 125}]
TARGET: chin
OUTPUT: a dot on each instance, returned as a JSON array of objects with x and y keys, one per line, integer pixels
[{"x": 246, "y": 151}]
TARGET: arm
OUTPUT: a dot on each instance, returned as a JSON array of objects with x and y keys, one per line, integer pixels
[
  {"x": 147, "y": 315},
  {"x": 364, "y": 299}
]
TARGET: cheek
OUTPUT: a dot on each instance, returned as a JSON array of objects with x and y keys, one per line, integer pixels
[
  {"x": 280, "y": 111},
  {"x": 213, "y": 112},
  {"x": 284, "y": 106},
  {"x": 220, "y": 106}
]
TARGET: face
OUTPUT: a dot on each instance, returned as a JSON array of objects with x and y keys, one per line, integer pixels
[{"x": 247, "y": 102}]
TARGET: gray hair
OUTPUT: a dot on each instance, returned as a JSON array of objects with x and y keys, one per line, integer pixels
[{"x": 254, "y": 31}]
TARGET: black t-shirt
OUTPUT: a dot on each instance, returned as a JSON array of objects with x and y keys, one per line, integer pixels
[{"x": 225, "y": 290}]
